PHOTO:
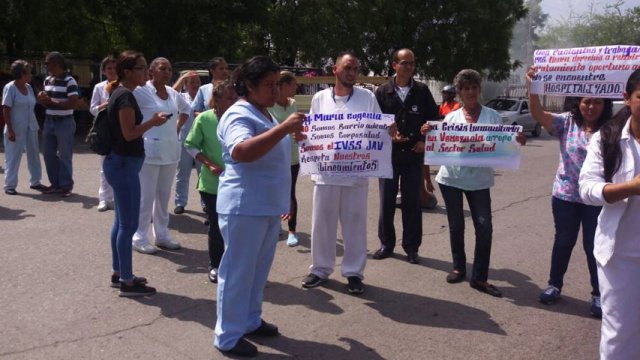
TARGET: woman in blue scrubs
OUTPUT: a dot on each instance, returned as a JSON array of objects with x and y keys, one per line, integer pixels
[{"x": 252, "y": 195}]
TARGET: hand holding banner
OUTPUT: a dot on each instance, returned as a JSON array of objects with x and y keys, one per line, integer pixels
[{"x": 347, "y": 144}]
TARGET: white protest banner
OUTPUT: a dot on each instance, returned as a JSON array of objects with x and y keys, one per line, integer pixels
[
  {"x": 597, "y": 71},
  {"x": 349, "y": 144},
  {"x": 475, "y": 145}
]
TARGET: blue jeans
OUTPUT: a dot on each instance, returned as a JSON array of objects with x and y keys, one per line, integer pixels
[
  {"x": 57, "y": 135},
  {"x": 480, "y": 206},
  {"x": 122, "y": 173},
  {"x": 13, "y": 155},
  {"x": 183, "y": 175},
  {"x": 567, "y": 217}
]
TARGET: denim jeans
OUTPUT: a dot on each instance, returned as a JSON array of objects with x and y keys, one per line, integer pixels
[
  {"x": 408, "y": 177},
  {"x": 122, "y": 173},
  {"x": 57, "y": 135},
  {"x": 567, "y": 217},
  {"x": 216, "y": 243},
  {"x": 183, "y": 175},
  {"x": 13, "y": 155},
  {"x": 480, "y": 205}
]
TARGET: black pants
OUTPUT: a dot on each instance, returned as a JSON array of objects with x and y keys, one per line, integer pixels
[
  {"x": 216, "y": 243},
  {"x": 480, "y": 205},
  {"x": 409, "y": 177},
  {"x": 293, "y": 205}
]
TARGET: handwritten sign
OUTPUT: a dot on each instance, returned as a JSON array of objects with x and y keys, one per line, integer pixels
[
  {"x": 597, "y": 71},
  {"x": 349, "y": 144},
  {"x": 475, "y": 145}
]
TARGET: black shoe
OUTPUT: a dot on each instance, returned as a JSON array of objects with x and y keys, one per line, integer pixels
[
  {"x": 178, "y": 210},
  {"x": 243, "y": 348},
  {"x": 115, "y": 281},
  {"x": 265, "y": 329},
  {"x": 382, "y": 253},
  {"x": 11, "y": 192},
  {"x": 39, "y": 187},
  {"x": 136, "y": 290},
  {"x": 455, "y": 277},
  {"x": 487, "y": 289},
  {"x": 412, "y": 257},
  {"x": 312, "y": 280},
  {"x": 355, "y": 285}
]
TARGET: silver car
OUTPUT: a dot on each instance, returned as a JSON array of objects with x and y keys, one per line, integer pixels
[{"x": 515, "y": 111}]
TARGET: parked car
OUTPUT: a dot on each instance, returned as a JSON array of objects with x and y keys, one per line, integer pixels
[{"x": 515, "y": 111}]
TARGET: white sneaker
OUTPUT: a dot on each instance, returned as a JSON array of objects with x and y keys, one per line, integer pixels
[
  {"x": 144, "y": 248},
  {"x": 168, "y": 243},
  {"x": 103, "y": 206}
]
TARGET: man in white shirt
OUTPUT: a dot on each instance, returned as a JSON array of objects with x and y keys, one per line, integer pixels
[{"x": 340, "y": 197}]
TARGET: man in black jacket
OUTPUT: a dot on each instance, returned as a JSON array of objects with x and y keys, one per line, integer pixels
[{"x": 412, "y": 103}]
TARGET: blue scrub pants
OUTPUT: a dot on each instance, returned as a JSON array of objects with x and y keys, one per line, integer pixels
[
  {"x": 183, "y": 175},
  {"x": 250, "y": 245},
  {"x": 13, "y": 155}
]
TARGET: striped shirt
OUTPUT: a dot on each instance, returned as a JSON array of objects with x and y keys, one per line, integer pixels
[{"x": 59, "y": 89}]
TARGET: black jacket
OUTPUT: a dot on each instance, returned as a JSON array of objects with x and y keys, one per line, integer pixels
[{"x": 417, "y": 108}]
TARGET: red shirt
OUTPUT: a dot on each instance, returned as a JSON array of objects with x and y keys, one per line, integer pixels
[{"x": 448, "y": 107}]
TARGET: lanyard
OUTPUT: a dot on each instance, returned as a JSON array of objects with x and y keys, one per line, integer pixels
[{"x": 333, "y": 95}]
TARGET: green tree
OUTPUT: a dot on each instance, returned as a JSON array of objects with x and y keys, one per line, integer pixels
[
  {"x": 613, "y": 27},
  {"x": 445, "y": 35}
]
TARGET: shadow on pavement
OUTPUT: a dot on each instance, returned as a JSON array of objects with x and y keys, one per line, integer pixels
[
  {"x": 191, "y": 261},
  {"x": 187, "y": 224},
  {"x": 300, "y": 349},
  {"x": 183, "y": 308},
  {"x": 13, "y": 214},
  {"x": 88, "y": 202},
  {"x": 285, "y": 294},
  {"x": 425, "y": 311}
]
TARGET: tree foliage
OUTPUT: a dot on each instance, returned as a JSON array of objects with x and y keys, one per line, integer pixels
[
  {"x": 445, "y": 35},
  {"x": 613, "y": 27}
]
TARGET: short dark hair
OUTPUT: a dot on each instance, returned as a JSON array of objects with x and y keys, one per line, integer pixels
[
  {"x": 252, "y": 72},
  {"x": 106, "y": 61},
  {"x": 19, "y": 68},
  {"x": 216, "y": 61},
  {"x": 286, "y": 77},
  {"x": 346, "y": 53},
  {"x": 394, "y": 56},
  {"x": 56, "y": 58}
]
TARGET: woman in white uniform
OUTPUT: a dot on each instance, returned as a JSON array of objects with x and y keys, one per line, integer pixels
[
  {"x": 162, "y": 150},
  {"x": 99, "y": 101},
  {"x": 610, "y": 177}
]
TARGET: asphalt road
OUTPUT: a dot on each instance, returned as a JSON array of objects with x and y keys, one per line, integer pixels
[{"x": 56, "y": 303}]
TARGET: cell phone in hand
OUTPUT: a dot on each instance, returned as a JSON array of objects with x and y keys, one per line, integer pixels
[{"x": 169, "y": 116}]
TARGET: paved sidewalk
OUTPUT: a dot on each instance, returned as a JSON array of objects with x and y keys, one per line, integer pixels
[{"x": 56, "y": 303}]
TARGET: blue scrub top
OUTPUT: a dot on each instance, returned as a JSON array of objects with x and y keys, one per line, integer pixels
[{"x": 258, "y": 188}]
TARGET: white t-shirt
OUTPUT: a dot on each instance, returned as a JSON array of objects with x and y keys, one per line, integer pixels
[
  {"x": 99, "y": 96},
  {"x": 361, "y": 100},
  {"x": 161, "y": 143}
]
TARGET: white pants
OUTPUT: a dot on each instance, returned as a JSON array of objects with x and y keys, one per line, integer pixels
[
  {"x": 155, "y": 189},
  {"x": 105, "y": 192},
  {"x": 349, "y": 205},
  {"x": 620, "y": 295}
]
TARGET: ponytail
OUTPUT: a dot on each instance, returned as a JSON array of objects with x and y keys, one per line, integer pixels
[{"x": 112, "y": 85}]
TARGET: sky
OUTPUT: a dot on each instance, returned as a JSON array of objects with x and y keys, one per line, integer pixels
[{"x": 560, "y": 10}]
